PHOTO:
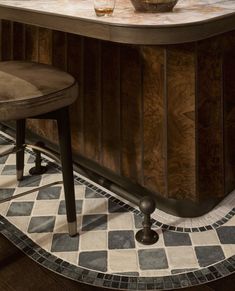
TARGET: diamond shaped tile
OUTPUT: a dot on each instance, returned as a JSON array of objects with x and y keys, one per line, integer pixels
[
  {"x": 39, "y": 224},
  {"x": 20, "y": 209},
  {"x": 94, "y": 222},
  {"x": 6, "y": 192},
  {"x": 94, "y": 260},
  {"x": 49, "y": 193},
  {"x": 152, "y": 259},
  {"x": 62, "y": 242},
  {"x": 208, "y": 255},
  {"x": 226, "y": 234},
  {"x": 62, "y": 208},
  {"x": 123, "y": 239}
]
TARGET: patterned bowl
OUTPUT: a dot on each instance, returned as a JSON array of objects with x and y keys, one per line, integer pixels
[{"x": 154, "y": 5}]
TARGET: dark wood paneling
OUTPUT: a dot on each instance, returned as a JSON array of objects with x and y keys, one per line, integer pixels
[
  {"x": 59, "y": 49},
  {"x": 18, "y": 41},
  {"x": 131, "y": 113},
  {"x": 111, "y": 106},
  {"x": 181, "y": 122},
  {"x": 229, "y": 111},
  {"x": 210, "y": 119},
  {"x": 154, "y": 119},
  {"x": 75, "y": 67},
  {"x": 31, "y": 43},
  {"x": 6, "y": 40},
  {"x": 92, "y": 99}
]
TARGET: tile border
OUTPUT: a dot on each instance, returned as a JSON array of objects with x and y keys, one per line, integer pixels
[{"x": 113, "y": 281}]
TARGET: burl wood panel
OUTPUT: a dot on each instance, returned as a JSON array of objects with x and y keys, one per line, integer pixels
[
  {"x": 161, "y": 116},
  {"x": 154, "y": 119},
  {"x": 181, "y": 151}
]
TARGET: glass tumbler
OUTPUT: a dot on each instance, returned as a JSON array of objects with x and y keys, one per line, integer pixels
[{"x": 104, "y": 7}]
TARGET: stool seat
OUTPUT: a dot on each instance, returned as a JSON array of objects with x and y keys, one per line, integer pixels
[{"x": 29, "y": 89}]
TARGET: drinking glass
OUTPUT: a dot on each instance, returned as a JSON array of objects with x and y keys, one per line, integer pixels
[{"x": 104, "y": 7}]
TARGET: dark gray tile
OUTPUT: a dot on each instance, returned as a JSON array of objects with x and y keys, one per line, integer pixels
[
  {"x": 6, "y": 193},
  {"x": 20, "y": 209},
  {"x": 89, "y": 193},
  {"x": 94, "y": 260},
  {"x": 176, "y": 238},
  {"x": 3, "y": 141},
  {"x": 30, "y": 181},
  {"x": 226, "y": 234},
  {"x": 123, "y": 239},
  {"x": 115, "y": 207},
  {"x": 152, "y": 259},
  {"x": 49, "y": 193},
  {"x": 208, "y": 255},
  {"x": 94, "y": 222},
  {"x": 31, "y": 159},
  {"x": 62, "y": 208},
  {"x": 9, "y": 170},
  {"x": 3, "y": 159},
  {"x": 41, "y": 224},
  {"x": 62, "y": 242}
]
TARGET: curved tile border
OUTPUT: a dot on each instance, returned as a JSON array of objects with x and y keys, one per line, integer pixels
[{"x": 57, "y": 265}]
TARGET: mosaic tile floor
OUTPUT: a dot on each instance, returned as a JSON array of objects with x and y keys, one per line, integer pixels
[{"x": 105, "y": 253}]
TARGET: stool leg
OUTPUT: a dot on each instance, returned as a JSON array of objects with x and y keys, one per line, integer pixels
[
  {"x": 20, "y": 140},
  {"x": 67, "y": 168}
]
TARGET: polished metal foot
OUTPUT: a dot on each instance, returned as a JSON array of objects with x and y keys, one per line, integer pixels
[
  {"x": 72, "y": 228},
  {"x": 147, "y": 236},
  {"x": 38, "y": 169}
]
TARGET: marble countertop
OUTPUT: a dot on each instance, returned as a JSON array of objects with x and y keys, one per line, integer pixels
[{"x": 187, "y": 13}]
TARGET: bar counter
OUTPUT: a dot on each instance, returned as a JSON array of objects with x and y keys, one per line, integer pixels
[{"x": 156, "y": 111}]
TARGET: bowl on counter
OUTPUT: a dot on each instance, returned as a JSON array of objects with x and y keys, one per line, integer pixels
[{"x": 154, "y": 5}]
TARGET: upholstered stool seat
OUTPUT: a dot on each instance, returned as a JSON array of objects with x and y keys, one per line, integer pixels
[
  {"x": 32, "y": 90},
  {"x": 29, "y": 89}
]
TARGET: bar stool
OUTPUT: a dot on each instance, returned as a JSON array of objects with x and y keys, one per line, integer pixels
[{"x": 32, "y": 90}]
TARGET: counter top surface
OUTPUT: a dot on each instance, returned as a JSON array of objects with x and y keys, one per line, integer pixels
[{"x": 187, "y": 13}]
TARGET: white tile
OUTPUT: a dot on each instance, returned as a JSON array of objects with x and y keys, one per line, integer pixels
[
  {"x": 71, "y": 257},
  {"x": 123, "y": 261},
  {"x": 61, "y": 225},
  {"x": 230, "y": 222},
  {"x": 45, "y": 207},
  {"x": 8, "y": 181},
  {"x": 79, "y": 191},
  {"x": 120, "y": 220},
  {"x": 21, "y": 222},
  {"x": 28, "y": 197},
  {"x": 181, "y": 257},
  {"x": 209, "y": 237},
  {"x": 155, "y": 273},
  {"x": 229, "y": 250},
  {"x": 93, "y": 206},
  {"x": 93, "y": 240},
  {"x": 42, "y": 239}
]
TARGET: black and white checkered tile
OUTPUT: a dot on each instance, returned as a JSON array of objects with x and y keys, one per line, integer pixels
[{"x": 105, "y": 253}]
